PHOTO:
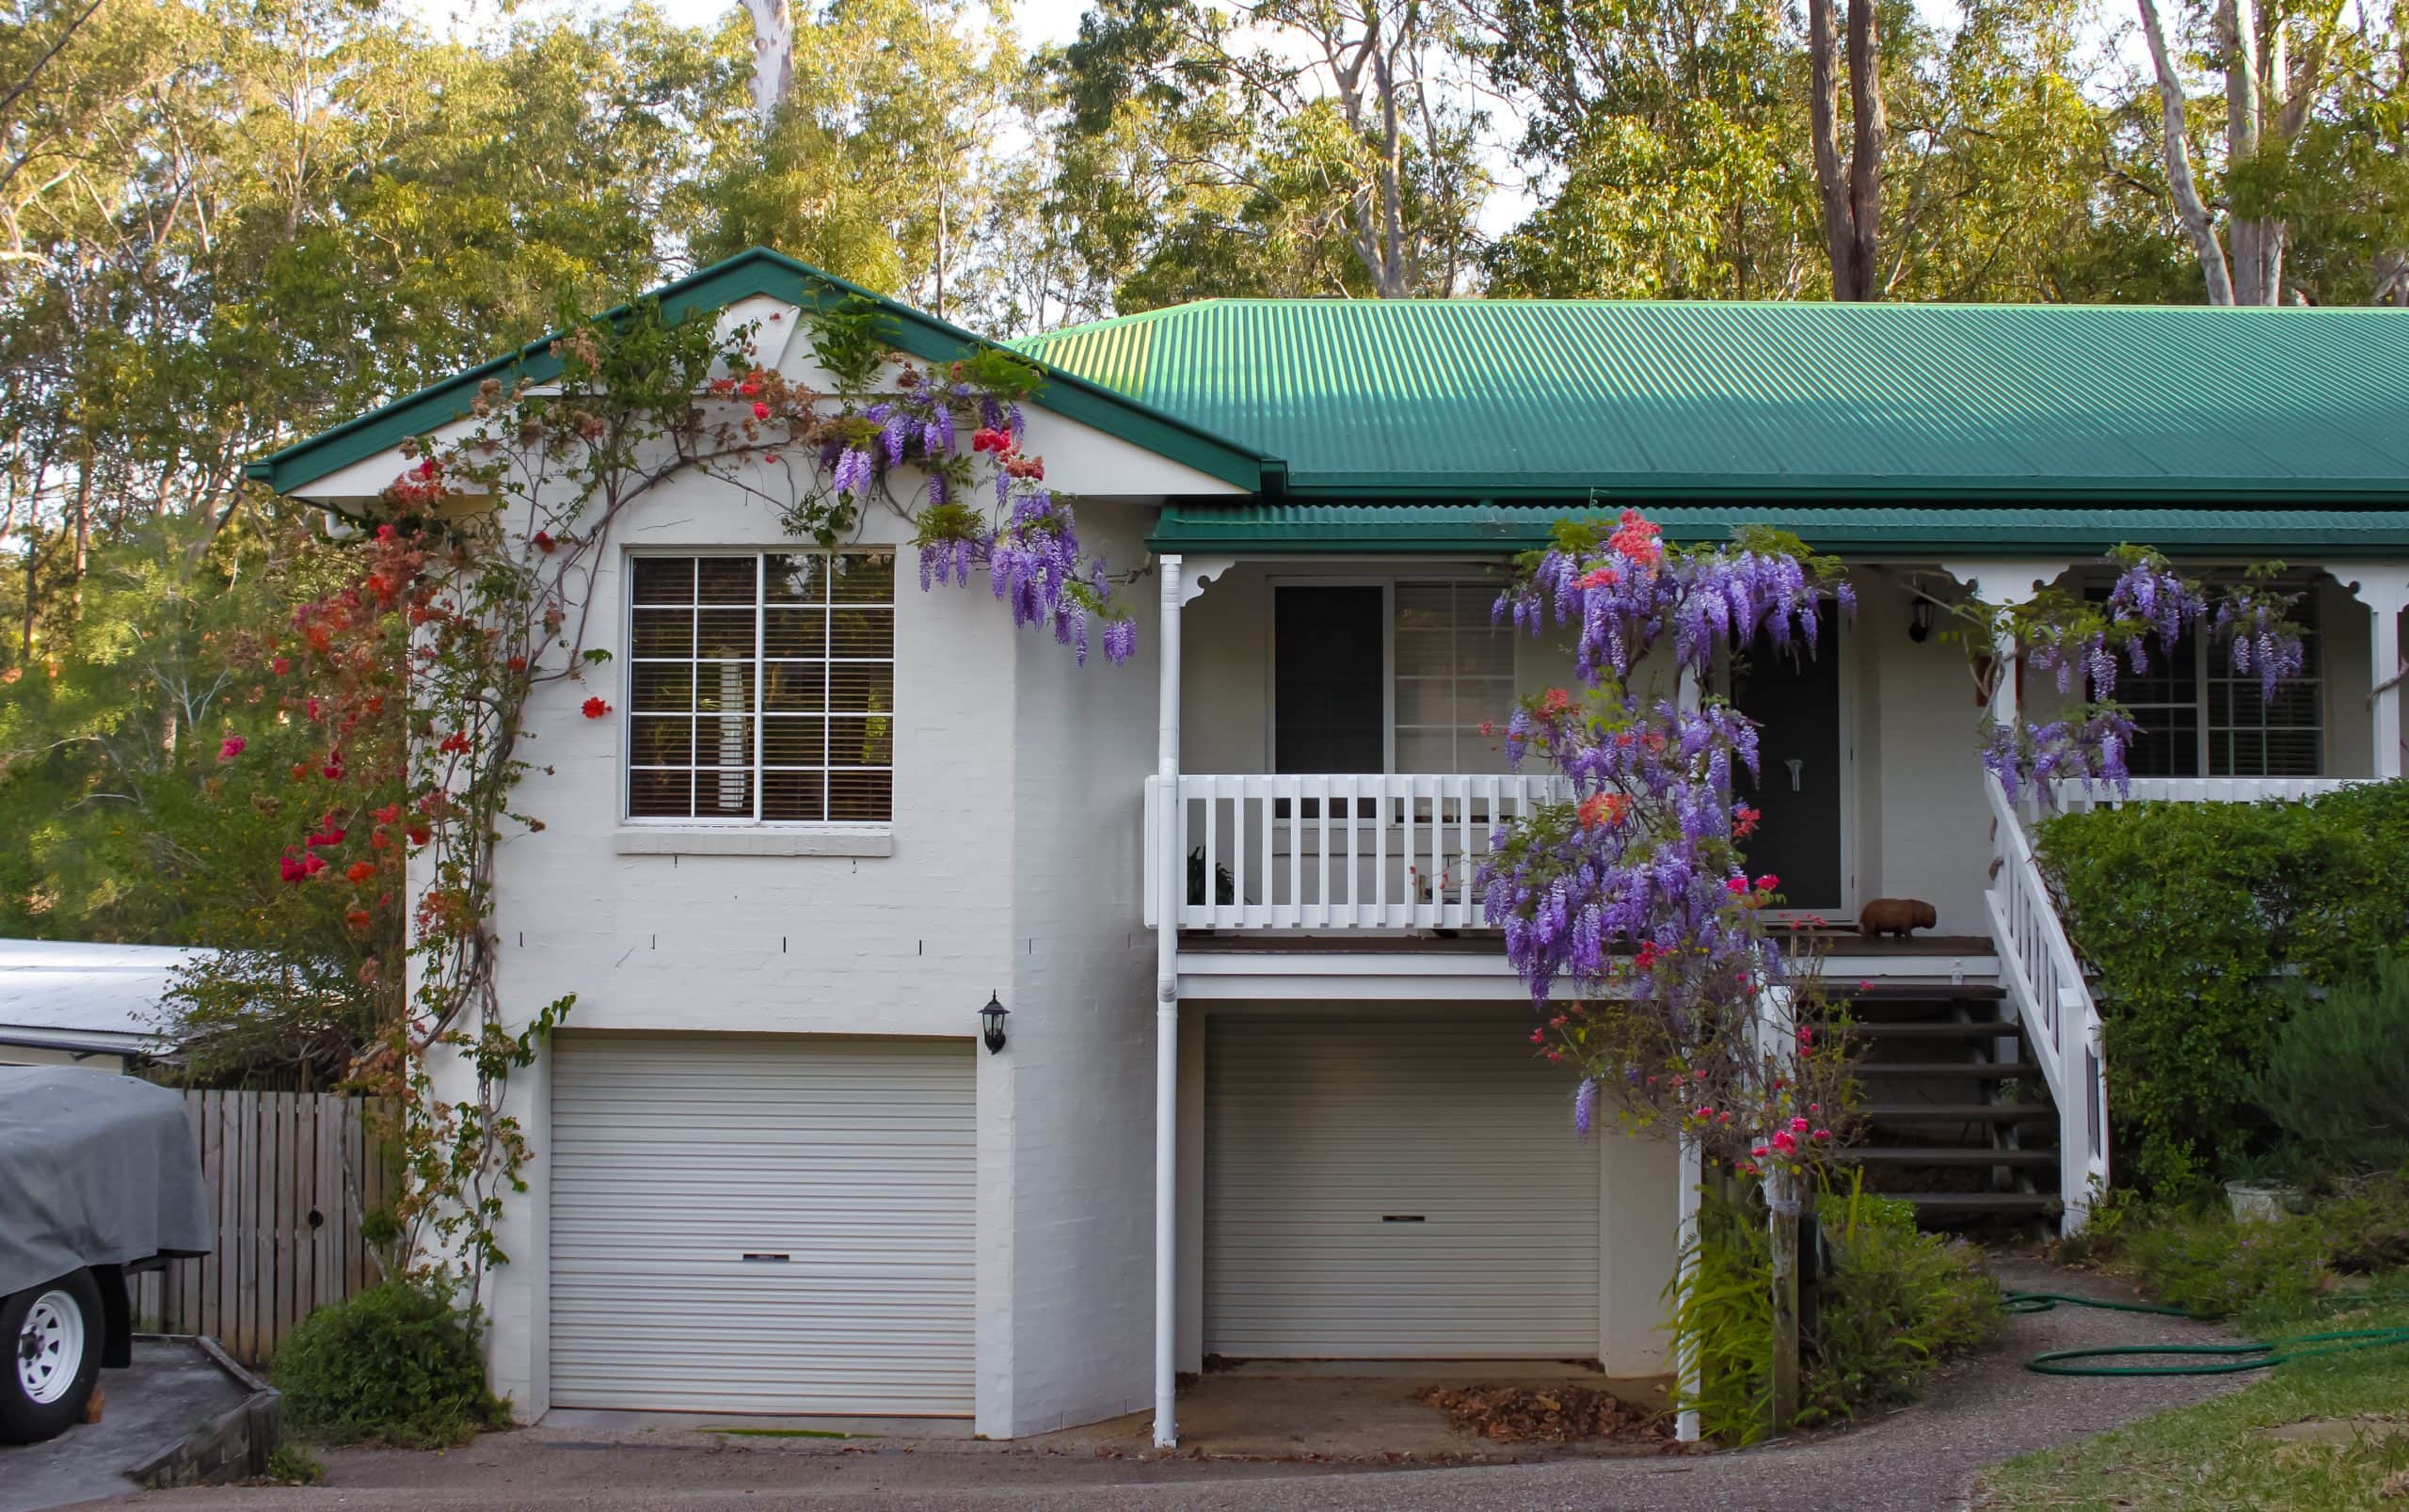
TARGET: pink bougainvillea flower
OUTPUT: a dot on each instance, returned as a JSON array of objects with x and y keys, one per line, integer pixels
[
  {"x": 761, "y": 410},
  {"x": 595, "y": 709},
  {"x": 1735, "y": 885},
  {"x": 230, "y": 747},
  {"x": 1800, "y": 1125},
  {"x": 289, "y": 868},
  {"x": 1768, "y": 883}
]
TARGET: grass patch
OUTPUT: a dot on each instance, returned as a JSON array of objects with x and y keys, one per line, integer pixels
[
  {"x": 2316, "y": 1435},
  {"x": 784, "y": 1432}
]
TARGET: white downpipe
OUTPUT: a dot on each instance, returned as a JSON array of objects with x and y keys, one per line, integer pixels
[
  {"x": 1692, "y": 1177},
  {"x": 2383, "y": 658},
  {"x": 2003, "y": 702},
  {"x": 1170, "y": 892}
]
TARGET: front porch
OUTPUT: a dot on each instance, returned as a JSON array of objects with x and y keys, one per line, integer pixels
[{"x": 1297, "y": 861}]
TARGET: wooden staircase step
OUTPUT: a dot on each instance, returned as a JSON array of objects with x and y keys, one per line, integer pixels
[
  {"x": 1981, "y": 1204},
  {"x": 1935, "y": 1029},
  {"x": 1927, "y": 1154},
  {"x": 1957, "y": 1112},
  {"x": 1971, "y": 1070},
  {"x": 1923, "y": 991}
]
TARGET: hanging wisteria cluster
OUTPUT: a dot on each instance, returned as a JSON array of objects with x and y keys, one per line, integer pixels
[
  {"x": 2082, "y": 644},
  {"x": 894, "y": 419},
  {"x": 1626, "y": 906}
]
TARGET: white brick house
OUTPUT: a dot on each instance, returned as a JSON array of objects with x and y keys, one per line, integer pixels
[{"x": 776, "y": 1171}]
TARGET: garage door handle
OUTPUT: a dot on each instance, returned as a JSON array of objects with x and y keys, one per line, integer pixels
[
  {"x": 752, "y": 1254},
  {"x": 1403, "y": 1217}
]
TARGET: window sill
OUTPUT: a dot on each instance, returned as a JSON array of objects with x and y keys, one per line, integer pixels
[{"x": 644, "y": 840}]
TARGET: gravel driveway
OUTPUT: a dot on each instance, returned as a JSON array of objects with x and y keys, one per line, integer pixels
[{"x": 1917, "y": 1459}]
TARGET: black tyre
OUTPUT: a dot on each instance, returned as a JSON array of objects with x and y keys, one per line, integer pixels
[{"x": 53, "y": 1336}]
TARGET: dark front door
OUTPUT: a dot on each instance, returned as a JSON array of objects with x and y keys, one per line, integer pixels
[{"x": 1795, "y": 700}]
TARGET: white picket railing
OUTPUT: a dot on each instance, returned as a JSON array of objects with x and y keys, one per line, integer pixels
[
  {"x": 2043, "y": 978},
  {"x": 1335, "y": 852},
  {"x": 2071, "y": 795}
]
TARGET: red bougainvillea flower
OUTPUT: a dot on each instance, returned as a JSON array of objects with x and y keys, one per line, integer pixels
[
  {"x": 378, "y": 839},
  {"x": 359, "y": 872},
  {"x": 420, "y": 834},
  {"x": 387, "y": 533},
  {"x": 457, "y": 740},
  {"x": 313, "y": 863},
  {"x": 281, "y": 665},
  {"x": 761, "y": 410},
  {"x": 1768, "y": 883},
  {"x": 595, "y": 708},
  {"x": 332, "y": 770},
  {"x": 749, "y": 388},
  {"x": 1744, "y": 821},
  {"x": 289, "y": 868},
  {"x": 518, "y": 663},
  {"x": 1555, "y": 700},
  {"x": 328, "y": 836},
  {"x": 542, "y": 541},
  {"x": 1735, "y": 885},
  {"x": 359, "y": 918},
  {"x": 230, "y": 747},
  {"x": 389, "y": 814}
]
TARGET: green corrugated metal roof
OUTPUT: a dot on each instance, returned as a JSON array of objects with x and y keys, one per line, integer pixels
[
  {"x": 1862, "y": 532},
  {"x": 1655, "y": 400},
  {"x": 758, "y": 271}
]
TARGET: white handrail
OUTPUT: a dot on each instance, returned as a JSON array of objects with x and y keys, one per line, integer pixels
[
  {"x": 2044, "y": 981},
  {"x": 1337, "y": 851},
  {"x": 2073, "y": 795}
]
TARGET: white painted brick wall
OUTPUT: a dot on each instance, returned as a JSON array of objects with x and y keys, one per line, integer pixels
[{"x": 1014, "y": 868}]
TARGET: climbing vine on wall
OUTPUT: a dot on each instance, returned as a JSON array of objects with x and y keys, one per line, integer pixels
[{"x": 475, "y": 591}]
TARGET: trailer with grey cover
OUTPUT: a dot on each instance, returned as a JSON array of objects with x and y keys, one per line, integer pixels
[{"x": 99, "y": 1180}]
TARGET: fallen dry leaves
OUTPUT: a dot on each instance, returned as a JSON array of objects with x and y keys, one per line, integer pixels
[{"x": 1520, "y": 1414}]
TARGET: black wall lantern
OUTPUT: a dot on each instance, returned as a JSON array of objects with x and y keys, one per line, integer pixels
[
  {"x": 991, "y": 1019},
  {"x": 1919, "y": 621}
]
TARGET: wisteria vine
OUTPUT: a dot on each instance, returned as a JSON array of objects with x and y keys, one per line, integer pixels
[
  {"x": 1628, "y": 894},
  {"x": 2086, "y": 645}
]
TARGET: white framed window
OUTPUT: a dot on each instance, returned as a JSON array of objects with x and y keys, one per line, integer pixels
[
  {"x": 2199, "y": 718},
  {"x": 1376, "y": 675},
  {"x": 761, "y": 687}
]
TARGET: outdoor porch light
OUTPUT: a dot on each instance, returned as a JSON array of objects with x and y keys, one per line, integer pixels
[
  {"x": 1919, "y": 621},
  {"x": 991, "y": 1019}
]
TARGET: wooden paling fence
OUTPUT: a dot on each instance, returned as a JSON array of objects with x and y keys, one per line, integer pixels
[{"x": 289, "y": 1175}]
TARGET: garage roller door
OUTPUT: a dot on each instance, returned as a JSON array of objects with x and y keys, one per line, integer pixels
[
  {"x": 762, "y": 1224},
  {"x": 1394, "y": 1187}
]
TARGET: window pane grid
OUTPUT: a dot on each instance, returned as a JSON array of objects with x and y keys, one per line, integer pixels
[
  {"x": 2197, "y": 716},
  {"x": 1453, "y": 670},
  {"x": 761, "y": 687}
]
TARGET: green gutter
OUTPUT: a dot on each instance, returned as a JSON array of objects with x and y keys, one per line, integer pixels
[
  {"x": 2387, "y": 492},
  {"x": 1498, "y": 530},
  {"x": 759, "y": 272}
]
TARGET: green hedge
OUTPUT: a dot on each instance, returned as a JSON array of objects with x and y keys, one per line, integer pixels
[{"x": 2189, "y": 910}]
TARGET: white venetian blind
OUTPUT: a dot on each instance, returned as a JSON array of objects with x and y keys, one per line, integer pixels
[{"x": 1453, "y": 670}]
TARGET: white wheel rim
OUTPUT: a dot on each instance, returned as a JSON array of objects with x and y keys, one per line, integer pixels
[{"x": 49, "y": 1347}]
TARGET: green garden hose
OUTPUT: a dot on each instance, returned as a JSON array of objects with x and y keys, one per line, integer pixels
[{"x": 2217, "y": 1359}]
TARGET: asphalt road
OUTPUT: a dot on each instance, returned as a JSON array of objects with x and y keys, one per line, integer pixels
[{"x": 1915, "y": 1460}]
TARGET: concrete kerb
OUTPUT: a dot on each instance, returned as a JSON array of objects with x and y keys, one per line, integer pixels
[{"x": 233, "y": 1446}]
